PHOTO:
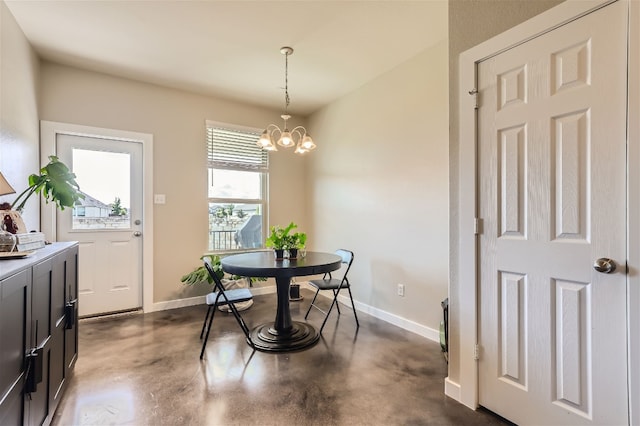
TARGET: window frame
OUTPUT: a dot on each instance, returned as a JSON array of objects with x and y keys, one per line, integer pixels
[{"x": 263, "y": 202}]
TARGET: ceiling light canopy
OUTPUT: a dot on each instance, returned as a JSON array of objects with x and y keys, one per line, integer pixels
[{"x": 286, "y": 138}]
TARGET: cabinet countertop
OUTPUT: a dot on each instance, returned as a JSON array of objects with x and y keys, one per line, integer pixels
[{"x": 10, "y": 267}]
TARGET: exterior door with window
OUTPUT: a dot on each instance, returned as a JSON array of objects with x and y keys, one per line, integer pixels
[
  {"x": 552, "y": 180},
  {"x": 237, "y": 173},
  {"x": 107, "y": 222}
]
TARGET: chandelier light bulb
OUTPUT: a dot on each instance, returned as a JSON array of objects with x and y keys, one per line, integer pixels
[
  {"x": 300, "y": 150},
  {"x": 307, "y": 143},
  {"x": 265, "y": 140},
  {"x": 286, "y": 140}
]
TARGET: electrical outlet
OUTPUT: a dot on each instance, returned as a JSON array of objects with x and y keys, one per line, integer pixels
[{"x": 400, "y": 289}]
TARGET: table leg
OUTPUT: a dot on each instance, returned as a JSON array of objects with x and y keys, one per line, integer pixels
[
  {"x": 284, "y": 335},
  {"x": 283, "y": 313}
]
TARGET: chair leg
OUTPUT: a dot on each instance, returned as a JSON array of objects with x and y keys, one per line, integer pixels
[
  {"x": 312, "y": 302},
  {"x": 335, "y": 294},
  {"x": 204, "y": 324},
  {"x": 206, "y": 337},
  {"x": 242, "y": 324},
  {"x": 354, "y": 308},
  {"x": 335, "y": 300}
]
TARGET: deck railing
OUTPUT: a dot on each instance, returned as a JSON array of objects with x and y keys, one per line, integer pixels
[{"x": 222, "y": 240}]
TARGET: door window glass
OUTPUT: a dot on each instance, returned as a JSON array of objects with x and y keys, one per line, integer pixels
[{"x": 105, "y": 180}]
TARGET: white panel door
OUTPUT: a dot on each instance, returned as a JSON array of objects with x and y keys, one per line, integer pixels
[
  {"x": 108, "y": 223},
  {"x": 552, "y": 182}
]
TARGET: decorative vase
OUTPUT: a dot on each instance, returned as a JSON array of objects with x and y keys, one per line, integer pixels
[
  {"x": 279, "y": 254},
  {"x": 11, "y": 221},
  {"x": 7, "y": 241}
]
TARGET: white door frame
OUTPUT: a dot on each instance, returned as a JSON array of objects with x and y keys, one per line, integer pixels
[
  {"x": 49, "y": 131},
  {"x": 466, "y": 389}
]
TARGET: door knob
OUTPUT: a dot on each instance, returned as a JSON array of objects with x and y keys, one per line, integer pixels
[
  {"x": 604, "y": 265},
  {"x": 137, "y": 234}
]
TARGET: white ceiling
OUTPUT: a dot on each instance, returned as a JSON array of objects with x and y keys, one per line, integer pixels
[{"x": 231, "y": 49}]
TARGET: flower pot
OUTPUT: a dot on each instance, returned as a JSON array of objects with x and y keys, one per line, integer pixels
[
  {"x": 279, "y": 254},
  {"x": 293, "y": 253}
]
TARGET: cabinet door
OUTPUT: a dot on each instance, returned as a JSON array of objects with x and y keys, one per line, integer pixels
[
  {"x": 56, "y": 351},
  {"x": 15, "y": 308},
  {"x": 71, "y": 298},
  {"x": 42, "y": 329}
]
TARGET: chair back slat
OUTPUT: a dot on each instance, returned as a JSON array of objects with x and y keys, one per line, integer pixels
[
  {"x": 347, "y": 259},
  {"x": 346, "y": 255},
  {"x": 216, "y": 281},
  {"x": 218, "y": 287}
]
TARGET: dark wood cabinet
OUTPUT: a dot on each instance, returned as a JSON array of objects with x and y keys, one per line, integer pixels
[
  {"x": 15, "y": 308},
  {"x": 38, "y": 333}
]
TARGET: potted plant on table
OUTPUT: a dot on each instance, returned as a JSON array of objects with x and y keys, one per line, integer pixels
[
  {"x": 279, "y": 239},
  {"x": 297, "y": 242}
]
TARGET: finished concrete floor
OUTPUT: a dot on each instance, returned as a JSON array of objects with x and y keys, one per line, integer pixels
[{"x": 144, "y": 370}]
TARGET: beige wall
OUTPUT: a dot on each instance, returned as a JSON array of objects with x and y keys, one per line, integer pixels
[
  {"x": 176, "y": 119},
  {"x": 378, "y": 183},
  {"x": 379, "y": 186},
  {"x": 470, "y": 23},
  {"x": 19, "y": 130}
]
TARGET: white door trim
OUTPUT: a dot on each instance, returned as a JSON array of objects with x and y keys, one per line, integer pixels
[
  {"x": 48, "y": 134},
  {"x": 466, "y": 389},
  {"x": 633, "y": 221}
]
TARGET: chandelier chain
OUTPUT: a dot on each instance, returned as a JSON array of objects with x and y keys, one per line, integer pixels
[{"x": 286, "y": 83}]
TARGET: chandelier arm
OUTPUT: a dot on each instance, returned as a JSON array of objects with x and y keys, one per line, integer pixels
[
  {"x": 300, "y": 133},
  {"x": 296, "y": 133},
  {"x": 276, "y": 135},
  {"x": 272, "y": 128}
]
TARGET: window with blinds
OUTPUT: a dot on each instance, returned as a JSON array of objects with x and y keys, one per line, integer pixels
[
  {"x": 235, "y": 149},
  {"x": 238, "y": 173}
]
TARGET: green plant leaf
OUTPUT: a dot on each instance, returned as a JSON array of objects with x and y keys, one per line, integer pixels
[{"x": 55, "y": 183}]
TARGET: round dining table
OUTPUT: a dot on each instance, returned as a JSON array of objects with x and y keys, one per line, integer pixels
[{"x": 283, "y": 334}]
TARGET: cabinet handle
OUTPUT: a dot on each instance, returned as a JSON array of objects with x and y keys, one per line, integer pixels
[
  {"x": 34, "y": 369},
  {"x": 70, "y": 314}
]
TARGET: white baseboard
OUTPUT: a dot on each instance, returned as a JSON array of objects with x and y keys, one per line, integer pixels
[
  {"x": 200, "y": 300},
  {"x": 396, "y": 320},
  {"x": 177, "y": 303},
  {"x": 451, "y": 389}
]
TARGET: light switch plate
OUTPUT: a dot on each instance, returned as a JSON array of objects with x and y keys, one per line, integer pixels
[{"x": 159, "y": 199}]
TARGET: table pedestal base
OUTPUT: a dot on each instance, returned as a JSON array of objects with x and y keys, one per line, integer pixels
[{"x": 301, "y": 335}]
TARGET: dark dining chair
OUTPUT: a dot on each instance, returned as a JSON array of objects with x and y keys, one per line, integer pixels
[
  {"x": 335, "y": 285},
  {"x": 221, "y": 297}
]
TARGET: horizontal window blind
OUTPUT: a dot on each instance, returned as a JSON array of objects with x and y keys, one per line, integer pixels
[{"x": 235, "y": 149}]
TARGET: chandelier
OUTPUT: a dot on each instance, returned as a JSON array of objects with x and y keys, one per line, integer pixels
[{"x": 286, "y": 138}]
